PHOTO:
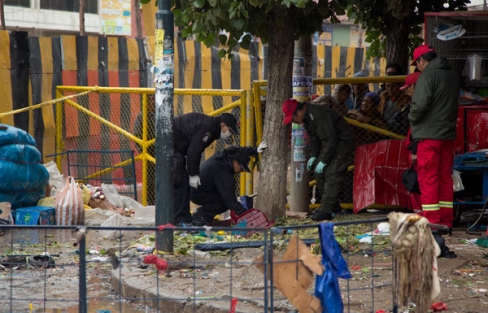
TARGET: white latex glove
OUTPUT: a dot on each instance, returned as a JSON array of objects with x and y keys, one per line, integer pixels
[
  {"x": 194, "y": 181},
  {"x": 262, "y": 146}
]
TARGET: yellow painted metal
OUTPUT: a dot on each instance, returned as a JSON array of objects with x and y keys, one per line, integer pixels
[
  {"x": 374, "y": 129},
  {"x": 40, "y": 105},
  {"x": 103, "y": 121},
  {"x": 243, "y": 133},
  {"x": 59, "y": 130},
  {"x": 250, "y": 142},
  {"x": 144, "y": 157}
]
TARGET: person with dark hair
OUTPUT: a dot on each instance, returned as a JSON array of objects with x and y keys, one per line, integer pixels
[
  {"x": 359, "y": 90},
  {"x": 392, "y": 101},
  {"x": 433, "y": 118},
  {"x": 331, "y": 149},
  {"x": 393, "y": 68},
  {"x": 399, "y": 123},
  {"x": 338, "y": 102},
  {"x": 368, "y": 113},
  {"x": 216, "y": 194}
]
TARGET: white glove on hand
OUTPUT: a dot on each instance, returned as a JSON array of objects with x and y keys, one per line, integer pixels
[
  {"x": 262, "y": 146},
  {"x": 194, "y": 181}
]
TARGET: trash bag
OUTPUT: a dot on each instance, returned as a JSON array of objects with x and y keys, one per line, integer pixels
[
  {"x": 327, "y": 285},
  {"x": 23, "y": 177},
  {"x": 12, "y": 135}
]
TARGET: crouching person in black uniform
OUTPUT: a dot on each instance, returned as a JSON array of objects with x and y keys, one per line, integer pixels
[{"x": 216, "y": 193}]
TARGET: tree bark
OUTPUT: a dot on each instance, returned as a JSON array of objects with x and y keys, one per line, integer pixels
[
  {"x": 137, "y": 12},
  {"x": 397, "y": 40},
  {"x": 82, "y": 17},
  {"x": 274, "y": 162},
  {"x": 2, "y": 16}
]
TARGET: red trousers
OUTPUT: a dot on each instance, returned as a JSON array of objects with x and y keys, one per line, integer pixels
[{"x": 434, "y": 166}]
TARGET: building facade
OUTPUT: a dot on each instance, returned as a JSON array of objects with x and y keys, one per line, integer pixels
[{"x": 55, "y": 17}]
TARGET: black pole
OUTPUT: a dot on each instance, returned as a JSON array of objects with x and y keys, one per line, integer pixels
[
  {"x": 82, "y": 308},
  {"x": 163, "y": 81}
]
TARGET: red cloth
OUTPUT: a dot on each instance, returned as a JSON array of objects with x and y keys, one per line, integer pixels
[{"x": 161, "y": 264}]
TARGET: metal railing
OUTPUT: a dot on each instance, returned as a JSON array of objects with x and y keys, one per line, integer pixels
[{"x": 85, "y": 268}]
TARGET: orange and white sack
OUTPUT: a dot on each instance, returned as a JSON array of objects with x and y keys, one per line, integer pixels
[{"x": 69, "y": 204}]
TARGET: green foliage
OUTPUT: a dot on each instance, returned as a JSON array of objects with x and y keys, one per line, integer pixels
[
  {"x": 240, "y": 21},
  {"x": 375, "y": 15}
]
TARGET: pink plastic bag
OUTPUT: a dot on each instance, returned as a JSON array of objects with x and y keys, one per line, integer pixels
[{"x": 69, "y": 204}]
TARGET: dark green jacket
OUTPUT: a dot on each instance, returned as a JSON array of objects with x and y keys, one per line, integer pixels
[
  {"x": 325, "y": 129},
  {"x": 433, "y": 114}
]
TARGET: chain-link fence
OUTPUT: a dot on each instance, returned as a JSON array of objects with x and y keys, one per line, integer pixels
[
  {"x": 123, "y": 119},
  {"x": 375, "y": 107},
  {"x": 117, "y": 269}
]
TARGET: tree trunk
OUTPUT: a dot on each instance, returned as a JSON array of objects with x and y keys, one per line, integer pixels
[
  {"x": 82, "y": 17},
  {"x": 2, "y": 16},
  {"x": 137, "y": 8},
  {"x": 274, "y": 162},
  {"x": 397, "y": 41}
]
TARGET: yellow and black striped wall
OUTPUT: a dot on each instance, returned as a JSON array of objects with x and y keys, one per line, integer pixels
[{"x": 31, "y": 68}]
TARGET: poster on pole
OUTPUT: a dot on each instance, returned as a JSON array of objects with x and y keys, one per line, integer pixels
[{"x": 116, "y": 17}]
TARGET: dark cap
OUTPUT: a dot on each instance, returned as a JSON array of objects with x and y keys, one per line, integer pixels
[
  {"x": 230, "y": 121},
  {"x": 243, "y": 160}
]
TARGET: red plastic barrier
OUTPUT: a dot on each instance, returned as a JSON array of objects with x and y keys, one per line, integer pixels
[{"x": 378, "y": 174}]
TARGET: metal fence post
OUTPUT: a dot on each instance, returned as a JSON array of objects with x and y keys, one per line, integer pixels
[
  {"x": 164, "y": 83},
  {"x": 82, "y": 279}
]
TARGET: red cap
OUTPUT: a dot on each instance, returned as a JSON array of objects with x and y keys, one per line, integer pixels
[
  {"x": 288, "y": 107},
  {"x": 315, "y": 96},
  {"x": 420, "y": 51},
  {"x": 410, "y": 80}
]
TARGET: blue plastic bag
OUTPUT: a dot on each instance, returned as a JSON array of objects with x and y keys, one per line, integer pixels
[
  {"x": 327, "y": 285},
  {"x": 12, "y": 135}
]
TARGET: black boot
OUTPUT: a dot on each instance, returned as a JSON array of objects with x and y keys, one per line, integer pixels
[
  {"x": 320, "y": 215},
  {"x": 201, "y": 220}
]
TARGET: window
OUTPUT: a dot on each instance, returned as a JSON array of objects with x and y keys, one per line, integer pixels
[
  {"x": 91, "y": 6},
  {"x": 18, "y": 3}
]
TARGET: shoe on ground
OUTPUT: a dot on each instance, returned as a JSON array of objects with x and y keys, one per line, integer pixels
[
  {"x": 199, "y": 220},
  {"x": 319, "y": 215}
]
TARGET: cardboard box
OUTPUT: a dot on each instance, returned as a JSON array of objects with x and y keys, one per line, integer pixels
[
  {"x": 35, "y": 215},
  {"x": 5, "y": 211}
]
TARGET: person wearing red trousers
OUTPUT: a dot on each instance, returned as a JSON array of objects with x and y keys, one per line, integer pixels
[{"x": 433, "y": 117}]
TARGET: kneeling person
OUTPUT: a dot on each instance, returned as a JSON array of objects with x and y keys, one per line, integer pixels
[{"x": 216, "y": 194}]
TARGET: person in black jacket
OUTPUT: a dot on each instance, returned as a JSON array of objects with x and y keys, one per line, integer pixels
[
  {"x": 331, "y": 149},
  {"x": 216, "y": 194},
  {"x": 192, "y": 134}
]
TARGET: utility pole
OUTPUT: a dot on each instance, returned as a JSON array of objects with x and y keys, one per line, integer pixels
[
  {"x": 82, "y": 17},
  {"x": 302, "y": 90},
  {"x": 163, "y": 82}
]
